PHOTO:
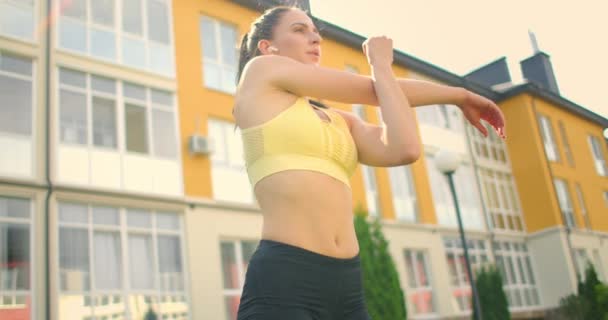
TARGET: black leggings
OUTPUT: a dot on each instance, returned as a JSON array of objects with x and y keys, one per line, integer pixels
[{"x": 288, "y": 282}]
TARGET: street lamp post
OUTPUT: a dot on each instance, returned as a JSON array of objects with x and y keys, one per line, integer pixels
[{"x": 447, "y": 162}]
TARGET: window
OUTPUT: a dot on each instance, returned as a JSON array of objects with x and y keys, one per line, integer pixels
[
  {"x": 492, "y": 148},
  {"x": 235, "y": 261},
  {"x": 567, "y": 150},
  {"x": 230, "y": 181},
  {"x": 548, "y": 138},
  {"x": 15, "y": 256},
  {"x": 598, "y": 157},
  {"x": 501, "y": 200},
  {"x": 469, "y": 202},
  {"x": 459, "y": 278},
  {"x": 369, "y": 175},
  {"x": 16, "y": 92},
  {"x": 17, "y": 18},
  {"x": 404, "y": 194},
  {"x": 419, "y": 283},
  {"x": 149, "y": 114},
  {"x": 139, "y": 38},
  {"x": 515, "y": 266},
  {"x": 442, "y": 116},
  {"x": 581, "y": 202},
  {"x": 565, "y": 202},
  {"x": 219, "y": 49},
  {"x": 130, "y": 259}
]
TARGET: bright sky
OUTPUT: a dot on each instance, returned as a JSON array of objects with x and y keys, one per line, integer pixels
[{"x": 460, "y": 36}]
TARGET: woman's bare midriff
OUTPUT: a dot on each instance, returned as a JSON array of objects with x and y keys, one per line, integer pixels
[
  {"x": 303, "y": 208},
  {"x": 310, "y": 210}
]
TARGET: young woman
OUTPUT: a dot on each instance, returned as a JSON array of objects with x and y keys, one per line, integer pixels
[{"x": 300, "y": 156}]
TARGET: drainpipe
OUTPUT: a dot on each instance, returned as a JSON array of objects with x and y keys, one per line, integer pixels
[
  {"x": 568, "y": 229},
  {"x": 49, "y": 183}
]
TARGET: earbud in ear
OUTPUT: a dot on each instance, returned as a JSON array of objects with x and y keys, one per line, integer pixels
[{"x": 271, "y": 48}]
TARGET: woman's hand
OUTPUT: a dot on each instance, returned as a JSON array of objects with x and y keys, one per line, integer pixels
[
  {"x": 476, "y": 107},
  {"x": 379, "y": 51}
]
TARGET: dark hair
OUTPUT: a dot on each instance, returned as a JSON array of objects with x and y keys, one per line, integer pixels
[{"x": 261, "y": 28}]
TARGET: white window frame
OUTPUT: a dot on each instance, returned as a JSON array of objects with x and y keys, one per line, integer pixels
[
  {"x": 548, "y": 136},
  {"x": 502, "y": 200},
  {"x": 567, "y": 150},
  {"x": 479, "y": 256},
  {"x": 369, "y": 174},
  {"x": 599, "y": 158},
  {"x": 14, "y": 294},
  {"x": 565, "y": 202},
  {"x": 34, "y": 10},
  {"x": 583, "y": 206},
  {"x": 156, "y": 296},
  {"x": 415, "y": 288},
  {"x": 521, "y": 279},
  {"x": 220, "y": 63},
  {"x": 241, "y": 272},
  {"x": 119, "y": 34},
  {"x": 234, "y": 163},
  {"x": 401, "y": 178},
  {"x": 120, "y": 106}
]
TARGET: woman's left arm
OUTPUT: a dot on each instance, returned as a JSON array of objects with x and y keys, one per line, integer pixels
[
  {"x": 422, "y": 93},
  {"x": 474, "y": 107}
]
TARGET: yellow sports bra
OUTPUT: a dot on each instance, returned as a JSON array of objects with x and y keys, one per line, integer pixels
[{"x": 298, "y": 139}]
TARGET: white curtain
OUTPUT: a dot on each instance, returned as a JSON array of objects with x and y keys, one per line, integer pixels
[
  {"x": 170, "y": 263},
  {"x": 141, "y": 263},
  {"x": 107, "y": 260}
]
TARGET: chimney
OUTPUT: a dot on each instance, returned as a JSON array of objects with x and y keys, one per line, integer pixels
[
  {"x": 538, "y": 68},
  {"x": 496, "y": 72}
]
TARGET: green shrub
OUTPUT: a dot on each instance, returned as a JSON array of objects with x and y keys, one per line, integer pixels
[
  {"x": 493, "y": 300},
  {"x": 383, "y": 294}
]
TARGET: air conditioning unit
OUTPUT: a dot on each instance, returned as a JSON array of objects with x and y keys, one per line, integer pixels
[{"x": 201, "y": 145}]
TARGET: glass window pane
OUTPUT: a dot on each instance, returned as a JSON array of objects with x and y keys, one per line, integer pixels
[
  {"x": 158, "y": 21},
  {"x": 103, "y": 44},
  {"x": 72, "y": 78},
  {"x": 102, "y": 12},
  {"x": 16, "y": 20},
  {"x": 170, "y": 263},
  {"x": 167, "y": 221},
  {"x": 16, "y": 106},
  {"x": 229, "y": 267},
  {"x": 132, "y": 17},
  {"x": 73, "y": 259},
  {"x": 106, "y": 216},
  {"x": 228, "y": 41},
  {"x": 139, "y": 219},
  {"x": 134, "y": 52},
  {"x": 208, "y": 38},
  {"x": 411, "y": 275},
  {"x": 134, "y": 91},
  {"x": 15, "y": 64},
  {"x": 212, "y": 74},
  {"x": 75, "y": 9},
  {"x": 164, "y": 135},
  {"x": 231, "y": 304},
  {"x": 73, "y": 114},
  {"x": 161, "y": 97},
  {"x": 141, "y": 262},
  {"x": 136, "y": 131},
  {"x": 14, "y": 208},
  {"x": 73, "y": 213},
  {"x": 104, "y": 122},
  {"x": 160, "y": 59},
  {"x": 14, "y": 257},
  {"x": 228, "y": 80},
  {"x": 103, "y": 84},
  {"x": 107, "y": 260},
  {"x": 72, "y": 35}
]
